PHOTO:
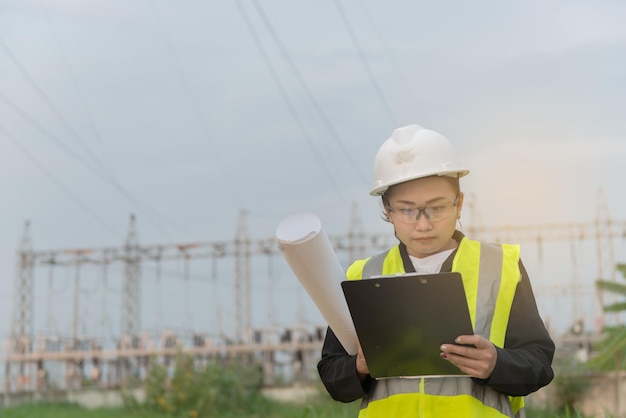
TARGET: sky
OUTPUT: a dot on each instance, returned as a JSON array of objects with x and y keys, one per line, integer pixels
[{"x": 186, "y": 113}]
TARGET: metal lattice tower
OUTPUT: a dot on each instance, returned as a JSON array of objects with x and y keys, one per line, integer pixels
[
  {"x": 242, "y": 278},
  {"x": 130, "y": 255},
  {"x": 131, "y": 297},
  {"x": 356, "y": 236},
  {"x": 22, "y": 323},
  {"x": 474, "y": 217}
]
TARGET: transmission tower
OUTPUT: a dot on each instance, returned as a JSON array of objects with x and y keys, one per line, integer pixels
[
  {"x": 474, "y": 217},
  {"x": 356, "y": 236},
  {"x": 22, "y": 324},
  {"x": 131, "y": 298},
  {"x": 242, "y": 278},
  {"x": 75, "y": 299}
]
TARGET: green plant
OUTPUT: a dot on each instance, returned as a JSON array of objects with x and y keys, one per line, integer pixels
[
  {"x": 260, "y": 408},
  {"x": 612, "y": 353},
  {"x": 571, "y": 379},
  {"x": 187, "y": 390}
]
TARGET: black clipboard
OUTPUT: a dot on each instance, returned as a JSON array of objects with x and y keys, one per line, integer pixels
[{"x": 401, "y": 321}]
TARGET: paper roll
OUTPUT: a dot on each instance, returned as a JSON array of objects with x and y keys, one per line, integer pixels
[{"x": 310, "y": 255}]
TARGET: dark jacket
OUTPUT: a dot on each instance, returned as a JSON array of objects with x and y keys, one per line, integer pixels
[{"x": 523, "y": 365}]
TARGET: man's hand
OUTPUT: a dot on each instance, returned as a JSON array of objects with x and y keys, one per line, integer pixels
[
  {"x": 478, "y": 361},
  {"x": 361, "y": 365}
]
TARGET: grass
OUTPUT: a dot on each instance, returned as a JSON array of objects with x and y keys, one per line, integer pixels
[
  {"x": 261, "y": 407},
  {"x": 62, "y": 410}
]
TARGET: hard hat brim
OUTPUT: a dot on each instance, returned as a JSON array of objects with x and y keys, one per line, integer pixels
[{"x": 381, "y": 189}]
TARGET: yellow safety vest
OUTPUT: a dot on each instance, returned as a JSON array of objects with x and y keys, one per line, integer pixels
[{"x": 490, "y": 276}]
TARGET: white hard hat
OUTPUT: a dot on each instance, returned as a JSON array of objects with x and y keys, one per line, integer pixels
[{"x": 411, "y": 153}]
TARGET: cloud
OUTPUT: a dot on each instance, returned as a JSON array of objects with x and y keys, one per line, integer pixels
[
  {"x": 532, "y": 94},
  {"x": 535, "y": 181}
]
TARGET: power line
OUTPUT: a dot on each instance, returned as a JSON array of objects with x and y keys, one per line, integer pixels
[
  {"x": 107, "y": 178},
  {"x": 567, "y": 232},
  {"x": 366, "y": 65},
  {"x": 389, "y": 56},
  {"x": 57, "y": 113},
  {"x": 192, "y": 100},
  {"x": 308, "y": 92},
  {"x": 70, "y": 72},
  {"x": 285, "y": 96},
  {"x": 68, "y": 150},
  {"x": 65, "y": 189},
  {"x": 101, "y": 171}
]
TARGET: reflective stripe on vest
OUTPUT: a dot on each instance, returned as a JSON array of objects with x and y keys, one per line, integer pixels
[
  {"x": 437, "y": 397},
  {"x": 490, "y": 276}
]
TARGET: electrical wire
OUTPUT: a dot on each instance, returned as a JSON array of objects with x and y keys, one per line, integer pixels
[
  {"x": 66, "y": 149},
  {"x": 389, "y": 56},
  {"x": 90, "y": 291},
  {"x": 205, "y": 280},
  {"x": 101, "y": 171},
  {"x": 368, "y": 69},
  {"x": 59, "y": 184},
  {"x": 62, "y": 289},
  {"x": 70, "y": 72},
  {"x": 193, "y": 101},
  {"x": 288, "y": 102},
  {"x": 108, "y": 179},
  {"x": 307, "y": 89},
  {"x": 55, "y": 110}
]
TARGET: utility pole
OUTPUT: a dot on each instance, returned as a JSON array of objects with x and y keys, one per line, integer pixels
[
  {"x": 356, "y": 236},
  {"x": 242, "y": 278},
  {"x": 22, "y": 324},
  {"x": 131, "y": 297},
  {"x": 75, "y": 304}
]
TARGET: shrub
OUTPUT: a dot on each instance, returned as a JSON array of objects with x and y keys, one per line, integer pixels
[
  {"x": 190, "y": 391},
  {"x": 571, "y": 378}
]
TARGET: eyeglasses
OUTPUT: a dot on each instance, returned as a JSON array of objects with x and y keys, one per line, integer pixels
[{"x": 434, "y": 213}]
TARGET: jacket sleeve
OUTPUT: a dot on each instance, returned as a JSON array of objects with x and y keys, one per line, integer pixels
[
  {"x": 337, "y": 369},
  {"x": 524, "y": 365}
]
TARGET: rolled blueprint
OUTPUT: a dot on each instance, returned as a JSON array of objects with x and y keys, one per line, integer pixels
[{"x": 310, "y": 255}]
